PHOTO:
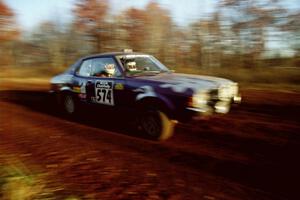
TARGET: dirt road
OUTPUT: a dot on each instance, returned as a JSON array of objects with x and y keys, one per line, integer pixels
[{"x": 251, "y": 153}]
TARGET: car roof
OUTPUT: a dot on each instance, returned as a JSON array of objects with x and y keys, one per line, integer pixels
[{"x": 112, "y": 54}]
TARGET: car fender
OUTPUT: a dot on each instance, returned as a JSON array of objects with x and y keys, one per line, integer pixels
[
  {"x": 62, "y": 91},
  {"x": 158, "y": 102},
  {"x": 65, "y": 89}
]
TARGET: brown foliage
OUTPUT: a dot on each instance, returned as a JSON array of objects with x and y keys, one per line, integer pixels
[
  {"x": 90, "y": 14},
  {"x": 8, "y": 30},
  {"x": 90, "y": 20},
  {"x": 235, "y": 35},
  {"x": 134, "y": 24}
]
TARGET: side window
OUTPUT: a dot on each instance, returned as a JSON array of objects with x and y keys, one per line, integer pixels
[
  {"x": 104, "y": 67},
  {"x": 85, "y": 68}
]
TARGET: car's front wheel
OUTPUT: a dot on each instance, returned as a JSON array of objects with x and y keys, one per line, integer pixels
[{"x": 157, "y": 125}]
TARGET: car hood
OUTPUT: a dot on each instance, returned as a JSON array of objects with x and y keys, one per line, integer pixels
[{"x": 181, "y": 82}]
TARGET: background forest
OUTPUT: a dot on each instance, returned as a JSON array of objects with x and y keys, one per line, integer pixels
[{"x": 232, "y": 41}]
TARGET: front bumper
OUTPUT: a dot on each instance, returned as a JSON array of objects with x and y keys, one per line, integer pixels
[
  {"x": 215, "y": 106},
  {"x": 237, "y": 99}
]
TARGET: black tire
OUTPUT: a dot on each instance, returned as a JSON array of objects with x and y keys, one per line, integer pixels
[
  {"x": 156, "y": 125},
  {"x": 68, "y": 104}
]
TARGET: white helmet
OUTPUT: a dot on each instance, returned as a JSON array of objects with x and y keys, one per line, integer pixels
[
  {"x": 110, "y": 69},
  {"x": 131, "y": 66}
]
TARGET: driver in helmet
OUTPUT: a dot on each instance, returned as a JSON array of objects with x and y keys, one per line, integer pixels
[
  {"x": 108, "y": 71},
  {"x": 131, "y": 66}
]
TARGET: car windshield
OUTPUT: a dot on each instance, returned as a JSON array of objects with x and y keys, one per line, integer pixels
[{"x": 142, "y": 65}]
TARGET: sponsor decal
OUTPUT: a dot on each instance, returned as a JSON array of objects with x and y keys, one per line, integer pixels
[
  {"x": 76, "y": 89},
  {"x": 104, "y": 92},
  {"x": 119, "y": 86}
]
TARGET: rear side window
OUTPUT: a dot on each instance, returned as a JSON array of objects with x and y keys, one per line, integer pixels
[
  {"x": 99, "y": 67},
  {"x": 85, "y": 68}
]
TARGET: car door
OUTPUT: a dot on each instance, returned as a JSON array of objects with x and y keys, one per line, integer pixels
[{"x": 104, "y": 84}]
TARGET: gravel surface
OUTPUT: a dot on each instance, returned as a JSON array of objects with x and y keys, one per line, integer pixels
[{"x": 251, "y": 153}]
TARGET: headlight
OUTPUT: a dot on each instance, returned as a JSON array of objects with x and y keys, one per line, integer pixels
[
  {"x": 235, "y": 89},
  {"x": 228, "y": 91},
  {"x": 199, "y": 99}
]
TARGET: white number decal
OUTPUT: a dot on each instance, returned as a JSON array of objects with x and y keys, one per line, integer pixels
[{"x": 104, "y": 92}]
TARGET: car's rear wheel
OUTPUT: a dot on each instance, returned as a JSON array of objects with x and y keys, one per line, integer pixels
[
  {"x": 68, "y": 104},
  {"x": 157, "y": 125}
]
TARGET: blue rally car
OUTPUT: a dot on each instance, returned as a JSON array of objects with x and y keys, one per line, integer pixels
[{"x": 139, "y": 82}]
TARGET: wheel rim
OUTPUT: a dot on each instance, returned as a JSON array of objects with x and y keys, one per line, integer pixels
[
  {"x": 69, "y": 104},
  {"x": 151, "y": 124}
]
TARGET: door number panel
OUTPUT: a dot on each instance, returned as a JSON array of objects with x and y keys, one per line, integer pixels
[{"x": 104, "y": 92}]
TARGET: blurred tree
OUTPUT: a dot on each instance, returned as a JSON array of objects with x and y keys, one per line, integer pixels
[
  {"x": 90, "y": 20},
  {"x": 249, "y": 21},
  {"x": 159, "y": 30},
  {"x": 134, "y": 24},
  {"x": 8, "y": 33},
  {"x": 47, "y": 45},
  {"x": 8, "y": 26},
  {"x": 51, "y": 47},
  {"x": 292, "y": 26},
  {"x": 196, "y": 44},
  {"x": 150, "y": 30},
  {"x": 206, "y": 42},
  {"x": 119, "y": 33},
  {"x": 180, "y": 52},
  {"x": 235, "y": 35}
]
